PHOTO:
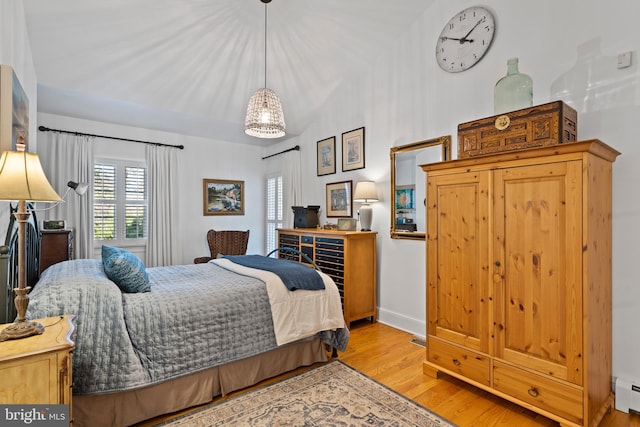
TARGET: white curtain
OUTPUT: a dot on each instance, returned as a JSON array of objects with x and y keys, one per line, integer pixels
[
  {"x": 68, "y": 157},
  {"x": 292, "y": 185},
  {"x": 163, "y": 242}
]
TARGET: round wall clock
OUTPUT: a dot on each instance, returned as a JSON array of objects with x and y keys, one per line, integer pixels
[{"x": 465, "y": 39}]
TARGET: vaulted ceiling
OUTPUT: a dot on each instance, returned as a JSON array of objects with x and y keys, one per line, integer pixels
[{"x": 190, "y": 66}]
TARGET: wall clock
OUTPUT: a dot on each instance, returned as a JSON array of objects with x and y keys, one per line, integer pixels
[{"x": 465, "y": 39}]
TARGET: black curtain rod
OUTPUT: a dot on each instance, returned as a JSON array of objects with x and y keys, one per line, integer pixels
[
  {"x": 159, "y": 144},
  {"x": 296, "y": 148}
]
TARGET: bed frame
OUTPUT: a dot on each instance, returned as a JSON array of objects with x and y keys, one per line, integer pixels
[
  {"x": 129, "y": 407},
  {"x": 9, "y": 261}
]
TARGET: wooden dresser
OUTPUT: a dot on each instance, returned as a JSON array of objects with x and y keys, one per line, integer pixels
[
  {"x": 349, "y": 257},
  {"x": 519, "y": 277},
  {"x": 55, "y": 246},
  {"x": 37, "y": 369}
]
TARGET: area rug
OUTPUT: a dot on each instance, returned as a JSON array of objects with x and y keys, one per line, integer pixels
[{"x": 333, "y": 394}]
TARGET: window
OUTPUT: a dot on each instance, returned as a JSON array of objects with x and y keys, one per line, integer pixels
[
  {"x": 120, "y": 202},
  {"x": 274, "y": 211}
]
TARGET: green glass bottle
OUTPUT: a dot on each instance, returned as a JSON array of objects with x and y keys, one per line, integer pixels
[{"x": 514, "y": 91}]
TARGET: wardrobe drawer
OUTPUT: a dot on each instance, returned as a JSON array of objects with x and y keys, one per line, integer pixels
[
  {"x": 543, "y": 392},
  {"x": 465, "y": 362}
]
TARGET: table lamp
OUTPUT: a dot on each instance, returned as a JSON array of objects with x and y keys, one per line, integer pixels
[
  {"x": 365, "y": 193},
  {"x": 22, "y": 179}
]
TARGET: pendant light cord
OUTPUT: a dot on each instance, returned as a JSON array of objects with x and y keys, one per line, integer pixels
[{"x": 265, "y": 44}]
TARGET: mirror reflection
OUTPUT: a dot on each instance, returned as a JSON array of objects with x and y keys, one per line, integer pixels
[{"x": 408, "y": 184}]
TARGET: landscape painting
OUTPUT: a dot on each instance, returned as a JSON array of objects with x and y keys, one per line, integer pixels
[{"x": 223, "y": 197}]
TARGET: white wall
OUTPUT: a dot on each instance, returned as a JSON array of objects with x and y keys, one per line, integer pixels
[
  {"x": 201, "y": 158},
  {"x": 15, "y": 50},
  {"x": 569, "y": 45}
]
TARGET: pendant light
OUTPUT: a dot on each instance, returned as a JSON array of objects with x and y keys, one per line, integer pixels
[{"x": 264, "y": 114}]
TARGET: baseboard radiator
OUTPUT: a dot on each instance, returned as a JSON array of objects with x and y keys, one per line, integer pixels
[{"x": 627, "y": 396}]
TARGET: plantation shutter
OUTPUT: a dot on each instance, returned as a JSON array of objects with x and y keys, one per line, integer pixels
[{"x": 104, "y": 207}]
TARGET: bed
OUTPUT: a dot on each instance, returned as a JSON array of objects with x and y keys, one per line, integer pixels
[{"x": 203, "y": 330}]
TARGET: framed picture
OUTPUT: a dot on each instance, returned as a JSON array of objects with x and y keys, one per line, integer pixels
[
  {"x": 222, "y": 197},
  {"x": 347, "y": 224},
  {"x": 353, "y": 150},
  {"x": 14, "y": 111},
  {"x": 339, "y": 199},
  {"x": 405, "y": 196},
  {"x": 327, "y": 156}
]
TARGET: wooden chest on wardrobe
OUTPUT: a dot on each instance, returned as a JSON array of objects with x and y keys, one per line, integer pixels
[
  {"x": 539, "y": 126},
  {"x": 519, "y": 277}
]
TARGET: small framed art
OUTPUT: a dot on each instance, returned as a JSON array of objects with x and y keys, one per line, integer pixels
[
  {"x": 339, "y": 199},
  {"x": 353, "y": 150},
  {"x": 326, "y": 156},
  {"x": 14, "y": 112},
  {"x": 405, "y": 195},
  {"x": 222, "y": 197},
  {"x": 347, "y": 224}
]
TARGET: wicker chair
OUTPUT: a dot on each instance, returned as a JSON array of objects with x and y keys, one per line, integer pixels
[{"x": 225, "y": 242}]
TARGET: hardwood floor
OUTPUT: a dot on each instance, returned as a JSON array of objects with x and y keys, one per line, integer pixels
[{"x": 389, "y": 356}]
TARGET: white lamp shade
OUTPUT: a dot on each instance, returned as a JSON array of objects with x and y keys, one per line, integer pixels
[
  {"x": 22, "y": 178},
  {"x": 366, "y": 192}
]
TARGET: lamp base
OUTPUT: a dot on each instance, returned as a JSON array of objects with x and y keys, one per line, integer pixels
[
  {"x": 21, "y": 329},
  {"x": 366, "y": 217}
]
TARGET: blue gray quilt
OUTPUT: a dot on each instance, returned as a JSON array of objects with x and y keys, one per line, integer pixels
[{"x": 195, "y": 317}]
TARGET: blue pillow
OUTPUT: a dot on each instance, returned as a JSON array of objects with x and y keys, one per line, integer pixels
[{"x": 125, "y": 269}]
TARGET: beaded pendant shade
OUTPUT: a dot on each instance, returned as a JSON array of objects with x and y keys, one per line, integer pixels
[
  {"x": 265, "y": 118},
  {"x": 264, "y": 115}
]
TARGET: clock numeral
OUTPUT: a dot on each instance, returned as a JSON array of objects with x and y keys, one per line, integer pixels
[
  {"x": 463, "y": 17},
  {"x": 451, "y": 26}
]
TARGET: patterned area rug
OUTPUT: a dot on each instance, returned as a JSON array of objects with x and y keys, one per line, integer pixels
[{"x": 330, "y": 395}]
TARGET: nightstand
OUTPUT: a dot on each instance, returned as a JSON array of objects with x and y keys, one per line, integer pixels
[
  {"x": 37, "y": 369},
  {"x": 55, "y": 246}
]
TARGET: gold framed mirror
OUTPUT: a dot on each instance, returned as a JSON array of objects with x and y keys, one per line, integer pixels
[{"x": 408, "y": 184}]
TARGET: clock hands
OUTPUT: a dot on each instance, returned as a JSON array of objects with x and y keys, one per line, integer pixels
[
  {"x": 471, "y": 30},
  {"x": 464, "y": 39}
]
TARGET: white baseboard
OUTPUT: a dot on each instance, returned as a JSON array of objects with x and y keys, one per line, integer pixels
[{"x": 413, "y": 326}]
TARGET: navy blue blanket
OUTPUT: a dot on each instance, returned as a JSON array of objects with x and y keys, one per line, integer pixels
[{"x": 293, "y": 274}]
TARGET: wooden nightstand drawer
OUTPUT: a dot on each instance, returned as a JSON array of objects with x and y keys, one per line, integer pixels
[
  {"x": 472, "y": 365},
  {"x": 37, "y": 369},
  {"x": 561, "y": 399}
]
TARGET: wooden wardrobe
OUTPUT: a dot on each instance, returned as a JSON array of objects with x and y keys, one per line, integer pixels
[{"x": 519, "y": 277}]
